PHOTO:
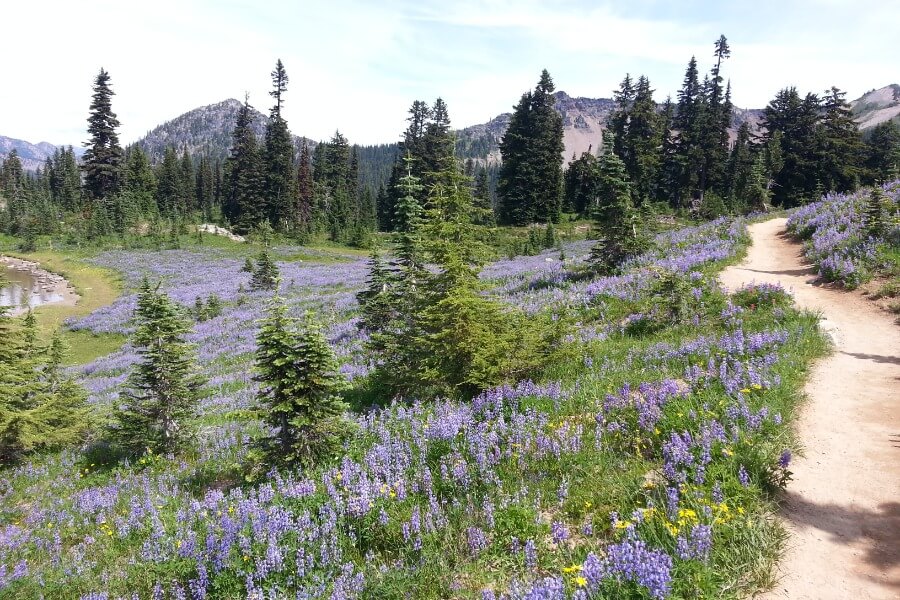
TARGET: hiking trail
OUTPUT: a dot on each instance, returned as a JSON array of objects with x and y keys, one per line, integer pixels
[{"x": 842, "y": 508}]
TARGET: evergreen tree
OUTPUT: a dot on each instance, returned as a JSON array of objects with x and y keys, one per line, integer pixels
[
  {"x": 882, "y": 153},
  {"x": 530, "y": 183},
  {"x": 875, "y": 217},
  {"x": 792, "y": 141},
  {"x": 300, "y": 387},
  {"x": 102, "y": 162},
  {"x": 187, "y": 192},
  {"x": 739, "y": 170},
  {"x": 482, "y": 200},
  {"x": 688, "y": 147},
  {"x": 163, "y": 388},
  {"x": 265, "y": 275},
  {"x": 168, "y": 186},
  {"x": 12, "y": 177},
  {"x": 39, "y": 408},
  {"x": 437, "y": 144},
  {"x": 205, "y": 187},
  {"x": 375, "y": 300},
  {"x": 841, "y": 146},
  {"x": 618, "y": 119},
  {"x": 244, "y": 182},
  {"x": 643, "y": 138},
  {"x": 305, "y": 189},
  {"x": 464, "y": 342},
  {"x": 139, "y": 179},
  {"x": 581, "y": 183},
  {"x": 715, "y": 121},
  {"x": 334, "y": 174},
  {"x": 619, "y": 235},
  {"x": 280, "y": 191}
]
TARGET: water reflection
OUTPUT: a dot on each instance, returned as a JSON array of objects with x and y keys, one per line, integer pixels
[{"x": 25, "y": 290}]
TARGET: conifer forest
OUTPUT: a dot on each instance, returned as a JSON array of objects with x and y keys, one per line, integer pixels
[{"x": 462, "y": 363}]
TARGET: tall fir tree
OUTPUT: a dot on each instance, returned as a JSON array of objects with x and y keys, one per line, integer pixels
[
  {"x": 688, "y": 122},
  {"x": 530, "y": 182},
  {"x": 243, "y": 186},
  {"x": 581, "y": 183},
  {"x": 280, "y": 191},
  {"x": 739, "y": 169},
  {"x": 139, "y": 178},
  {"x": 793, "y": 146},
  {"x": 102, "y": 162},
  {"x": 205, "y": 187},
  {"x": 305, "y": 191},
  {"x": 187, "y": 192},
  {"x": 842, "y": 150},
  {"x": 168, "y": 183}
]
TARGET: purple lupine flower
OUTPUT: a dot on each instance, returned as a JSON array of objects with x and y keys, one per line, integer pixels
[
  {"x": 785, "y": 459},
  {"x": 560, "y": 532},
  {"x": 530, "y": 555},
  {"x": 696, "y": 544},
  {"x": 477, "y": 540},
  {"x": 743, "y": 476},
  {"x": 631, "y": 560}
]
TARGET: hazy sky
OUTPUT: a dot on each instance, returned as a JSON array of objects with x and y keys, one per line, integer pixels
[{"x": 357, "y": 66}]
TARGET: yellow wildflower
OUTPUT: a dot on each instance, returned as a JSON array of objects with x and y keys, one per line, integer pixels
[{"x": 580, "y": 581}]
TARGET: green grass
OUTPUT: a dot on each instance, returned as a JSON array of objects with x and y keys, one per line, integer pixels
[{"x": 96, "y": 286}]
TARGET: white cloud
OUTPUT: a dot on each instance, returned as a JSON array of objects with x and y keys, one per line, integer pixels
[{"x": 357, "y": 66}]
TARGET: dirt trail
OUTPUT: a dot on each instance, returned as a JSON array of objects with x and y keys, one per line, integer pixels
[{"x": 843, "y": 506}]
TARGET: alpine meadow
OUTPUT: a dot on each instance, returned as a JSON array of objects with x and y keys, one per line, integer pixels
[{"x": 637, "y": 347}]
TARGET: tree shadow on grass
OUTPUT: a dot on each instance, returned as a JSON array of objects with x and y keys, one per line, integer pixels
[{"x": 878, "y": 530}]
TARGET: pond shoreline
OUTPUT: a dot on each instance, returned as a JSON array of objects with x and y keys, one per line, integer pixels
[{"x": 47, "y": 281}]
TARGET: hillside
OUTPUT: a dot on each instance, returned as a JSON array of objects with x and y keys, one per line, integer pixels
[
  {"x": 877, "y": 106},
  {"x": 203, "y": 130},
  {"x": 31, "y": 155}
]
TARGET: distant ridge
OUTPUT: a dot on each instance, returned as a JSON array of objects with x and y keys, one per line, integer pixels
[
  {"x": 31, "y": 155},
  {"x": 204, "y": 130}
]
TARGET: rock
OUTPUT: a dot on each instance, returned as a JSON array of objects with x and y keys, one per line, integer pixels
[{"x": 216, "y": 230}]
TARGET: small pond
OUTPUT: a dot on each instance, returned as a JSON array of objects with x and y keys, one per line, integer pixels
[{"x": 25, "y": 290}]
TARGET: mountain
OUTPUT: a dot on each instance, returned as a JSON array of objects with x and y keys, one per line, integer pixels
[
  {"x": 31, "y": 155},
  {"x": 877, "y": 107},
  {"x": 584, "y": 120},
  {"x": 204, "y": 130}
]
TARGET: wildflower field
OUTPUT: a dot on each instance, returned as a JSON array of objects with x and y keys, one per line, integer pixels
[
  {"x": 641, "y": 463},
  {"x": 841, "y": 241}
]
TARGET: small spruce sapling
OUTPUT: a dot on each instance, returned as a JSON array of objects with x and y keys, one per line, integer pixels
[{"x": 300, "y": 386}]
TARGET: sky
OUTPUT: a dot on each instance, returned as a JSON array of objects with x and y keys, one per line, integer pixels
[{"x": 357, "y": 65}]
